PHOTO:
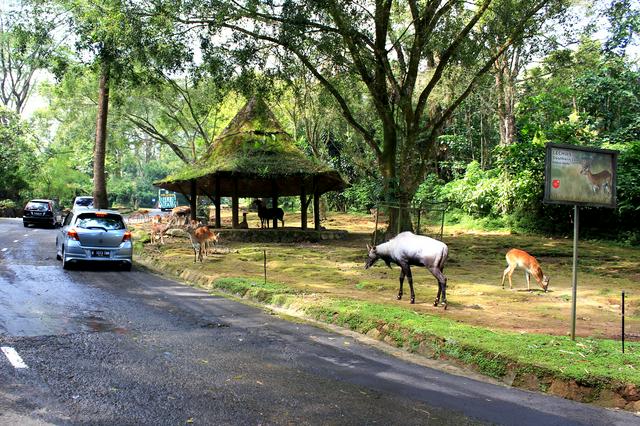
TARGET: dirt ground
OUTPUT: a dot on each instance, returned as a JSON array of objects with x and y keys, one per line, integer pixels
[{"x": 474, "y": 270}]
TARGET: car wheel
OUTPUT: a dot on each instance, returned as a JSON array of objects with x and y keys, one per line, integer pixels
[
  {"x": 65, "y": 262},
  {"x": 25, "y": 224},
  {"x": 58, "y": 257}
]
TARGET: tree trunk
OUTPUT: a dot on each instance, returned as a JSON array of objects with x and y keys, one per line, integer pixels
[
  {"x": 506, "y": 74},
  {"x": 100, "y": 200}
]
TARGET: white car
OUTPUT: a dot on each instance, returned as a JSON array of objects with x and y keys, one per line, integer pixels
[{"x": 82, "y": 203}]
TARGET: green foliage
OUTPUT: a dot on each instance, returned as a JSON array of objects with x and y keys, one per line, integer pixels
[
  {"x": 479, "y": 192},
  {"x": 430, "y": 190},
  {"x": 8, "y": 204},
  {"x": 16, "y": 156},
  {"x": 363, "y": 195}
]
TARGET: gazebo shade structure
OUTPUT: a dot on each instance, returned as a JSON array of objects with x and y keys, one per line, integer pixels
[{"x": 254, "y": 157}]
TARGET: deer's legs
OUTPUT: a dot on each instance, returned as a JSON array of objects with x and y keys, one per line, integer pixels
[
  {"x": 402, "y": 274},
  {"x": 442, "y": 286},
  {"x": 508, "y": 272},
  {"x": 410, "y": 277},
  {"x": 528, "y": 278}
]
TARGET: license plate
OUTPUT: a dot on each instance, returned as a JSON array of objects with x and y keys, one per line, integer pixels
[
  {"x": 100, "y": 253},
  {"x": 37, "y": 213}
]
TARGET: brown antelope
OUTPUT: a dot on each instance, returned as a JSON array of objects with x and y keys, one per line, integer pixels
[
  {"x": 598, "y": 181},
  {"x": 181, "y": 212},
  {"x": 520, "y": 258},
  {"x": 200, "y": 236},
  {"x": 158, "y": 229}
]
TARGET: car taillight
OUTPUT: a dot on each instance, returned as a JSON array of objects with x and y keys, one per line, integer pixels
[
  {"x": 126, "y": 236},
  {"x": 73, "y": 234}
]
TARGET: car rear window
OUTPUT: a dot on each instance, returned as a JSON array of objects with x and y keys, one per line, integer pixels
[
  {"x": 109, "y": 222},
  {"x": 37, "y": 205},
  {"x": 84, "y": 202}
]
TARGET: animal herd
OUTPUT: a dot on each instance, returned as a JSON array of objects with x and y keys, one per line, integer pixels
[
  {"x": 200, "y": 235},
  {"x": 405, "y": 250}
]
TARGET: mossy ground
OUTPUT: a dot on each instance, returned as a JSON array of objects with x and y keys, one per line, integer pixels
[{"x": 500, "y": 331}]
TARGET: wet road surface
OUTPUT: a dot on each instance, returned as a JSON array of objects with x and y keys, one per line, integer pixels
[{"x": 104, "y": 346}]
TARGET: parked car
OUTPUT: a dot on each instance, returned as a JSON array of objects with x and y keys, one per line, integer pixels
[
  {"x": 82, "y": 203},
  {"x": 41, "y": 212},
  {"x": 94, "y": 236}
]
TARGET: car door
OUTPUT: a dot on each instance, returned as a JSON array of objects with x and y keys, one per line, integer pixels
[{"x": 62, "y": 232}]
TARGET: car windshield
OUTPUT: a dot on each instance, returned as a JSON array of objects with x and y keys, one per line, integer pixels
[
  {"x": 108, "y": 222},
  {"x": 84, "y": 202},
  {"x": 37, "y": 205}
]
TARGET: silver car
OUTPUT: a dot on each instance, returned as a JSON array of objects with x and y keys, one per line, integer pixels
[{"x": 95, "y": 236}]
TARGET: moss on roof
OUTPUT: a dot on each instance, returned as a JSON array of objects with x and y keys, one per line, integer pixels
[{"x": 253, "y": 144}]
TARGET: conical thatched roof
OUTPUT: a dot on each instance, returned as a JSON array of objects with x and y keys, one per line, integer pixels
[{"x": 254, "y": 153}]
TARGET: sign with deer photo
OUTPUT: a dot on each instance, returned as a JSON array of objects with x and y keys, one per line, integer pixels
[{"x": 580, "y": 176}]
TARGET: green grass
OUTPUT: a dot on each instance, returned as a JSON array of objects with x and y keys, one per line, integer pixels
[{"x": 593, "y": 362}]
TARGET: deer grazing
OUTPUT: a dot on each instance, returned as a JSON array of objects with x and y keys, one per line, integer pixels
[
  {"x": 201, "y": 237},
  {"x": 408, "y": 249},
  {"x": 266, "y": 214},
  {"x": 520, "y": 258},
  {"x": 598, "y": 181}
]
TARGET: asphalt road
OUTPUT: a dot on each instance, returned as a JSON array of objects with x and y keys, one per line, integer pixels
[{"x": 103, "y": 346}]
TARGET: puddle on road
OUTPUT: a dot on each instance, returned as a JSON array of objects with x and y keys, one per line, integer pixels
[{"x": 97, "y": 324}]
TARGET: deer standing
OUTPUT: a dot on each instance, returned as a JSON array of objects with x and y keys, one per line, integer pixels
[
  {"x": 598, "y": 181},
  {"x": 200, "y": 236},
  {"x": 520, "y": 258},
  {"x": 265, "y": 214},
  {"x": 158, "y": 229},
  {"x": 181, "y": 212},
  {"x": 408, "y": 249}
]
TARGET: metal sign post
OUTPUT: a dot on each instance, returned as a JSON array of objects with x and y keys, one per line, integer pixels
[
  {"x": 570, "y": 179},
  {"x": 574, "y": 287}
]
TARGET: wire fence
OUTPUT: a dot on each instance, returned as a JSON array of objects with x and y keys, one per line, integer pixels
[{"x": 427, "y": 218}]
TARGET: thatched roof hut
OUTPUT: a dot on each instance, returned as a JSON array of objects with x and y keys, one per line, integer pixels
[{"x": 254, "y": 157}]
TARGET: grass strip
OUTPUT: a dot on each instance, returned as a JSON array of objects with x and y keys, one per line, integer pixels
[{"x": 590, "y": 362}]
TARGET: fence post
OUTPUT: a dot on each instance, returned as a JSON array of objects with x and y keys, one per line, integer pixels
[{"x": 622, "y": 321}]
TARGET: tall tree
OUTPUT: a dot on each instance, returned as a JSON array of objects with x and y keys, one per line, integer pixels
[
  {"x": 28, "y": 44},
  {"x": 124, "y": 46},
  {"x": 183, "y": 113},
  {"x": 403, "y": 53}
]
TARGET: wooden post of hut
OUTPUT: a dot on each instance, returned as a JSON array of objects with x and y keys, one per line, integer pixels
[
  {"x": 274, "y": 202},
  {"x": 217, "y": 203},
  {"x": 193, "y": 199},
  {"x": 303, "y": 207},
  {"x": 316, "y": 205},
  {"x": 234, "y": 204}
]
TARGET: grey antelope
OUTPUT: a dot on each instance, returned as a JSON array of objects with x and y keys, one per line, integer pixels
[
  {"x": 520, "y": 258},
  {"x": 598, "y": 181},
  {"x": 408, "y": 249}
]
